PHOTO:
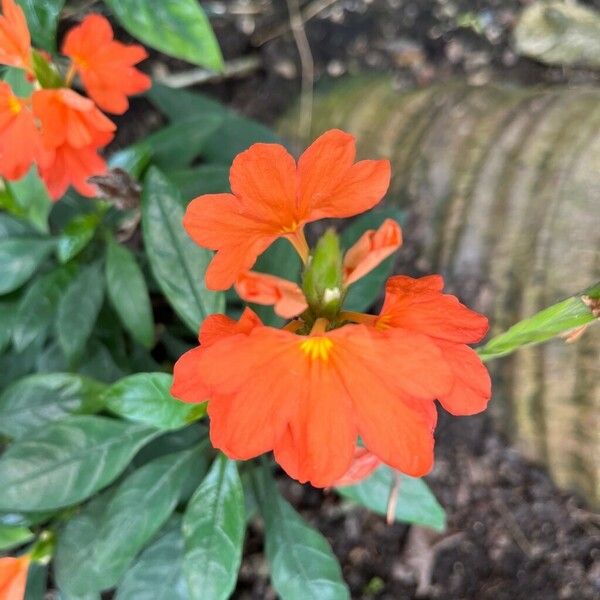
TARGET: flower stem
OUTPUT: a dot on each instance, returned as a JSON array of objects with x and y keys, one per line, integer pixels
[{"x": 300, "y": 244}]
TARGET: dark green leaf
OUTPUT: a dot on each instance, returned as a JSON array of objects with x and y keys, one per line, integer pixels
[
  {"x": 204, "y": 179},
  {"x": 140, "y": 506},
  {"x": 37, "y": 308},
  {"x": 8, "y": 312},
  {"x": 145, "y": 397},
  {"x": 177, "y": 262},
  {"x": 416, "y": 503},
  {"x": 31, "y": 196},
  {"x": 78, "y": 310},
  {"x": 40, "y": 399},
  {"x": 128, "y": 293},
  {"x": 37, "y": 576},
  {"x": 180, "y": 29},
  {"x": 303, "y": 566},
  {"x": 12, "y": 536},
  {"x": 364, "y": 293},
  {"x": 67, "y": 461},
  {"x": 19, "y": 259},
  {"x": 42, "y": 19},
  {"x": 165, "y": 148},
  {"x": 213, "y": 528},
  {"x": 548, "y": 323},
  {"x": 12, "y": 227},
  {"x": 158, "y": 572},
  {"x": 14, "y": 364},
  {"x": 76, "y": 235}
]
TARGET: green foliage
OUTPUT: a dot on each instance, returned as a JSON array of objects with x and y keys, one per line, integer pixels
[
  {"x": 14, "y": 535},
  {"x": 415, "y": 501},
  {"x": 67, "y": 461},
  {"x": 548, "y": 323},
  {"x": 128, "y": 293},
  {"x": 145, "y": 398},
  {"x": 302, "y": 563},
  {"x": 20, "y": 257},
  {"x": 177, "y": 262},
  {"x": 38, "y": 400},
  {"x": 213, "y": 529},
  {"x": 42, "y": 18},
  {"x": 180, "y": 29},
  {"x": 76, "y": 235},
  {"x": 30, "y": 200}
]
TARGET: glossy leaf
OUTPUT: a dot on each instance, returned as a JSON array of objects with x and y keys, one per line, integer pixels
[
  {"x": 8, "y": 312},
  {"x": 303, "y": 566},
  {"x": 139, "y": 507},
  {"x": 37, "y": 576},
  {"x": 158, "y": 572},
  {"x": 176, "y": 261},
  {"x": 20, "y": 257},
  {"x": 203, "y": 179},
  {"x": 67, "y": 461},
  {"x": 13, "y": 227},
  {"x": 42, "y": 18},
  {"x": 41, "y": 399},
  {"x": 565, "y": 316},
  {"x": 78, "y": 310},
  {"x": 31, "y": 196},
  {"x": 37, "y": 308},
  {"x": 213, "y": 528},
  {"x": 128, "y": 293},
  {"x": 76, "y": 235},
  {"x": 179, "y": 29},
  {"x": 145, "y": 397},
  {"x": 415, "y": 504},
  {"x": 365, "y": 292},
  {"x": 12, "y": 536}
]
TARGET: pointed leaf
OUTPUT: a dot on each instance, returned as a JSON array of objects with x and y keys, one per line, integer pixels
[
  {"x": 12, "y": 536},
  {"x": 76, "y": 235},
  {"x": 303, "y": 566},
  {"x": 40, "y": 399},
  {"x": 139, "y": 507},
  {"x": 19, "y": 259},
  {"x": 415, "y": 503},
  {"x": 145, "y": 397},
  {"x": 67, "y": 461},
  {"x": 179, "y": 29},
  {"x": 177, "y": 262},
  {"x": 213, "y": 528},
  {"x": 128, "y": 293},
  {"x": 42, "y": 18}
]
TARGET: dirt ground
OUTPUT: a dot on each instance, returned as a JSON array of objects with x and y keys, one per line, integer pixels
[{"x": 511, "y": 533}]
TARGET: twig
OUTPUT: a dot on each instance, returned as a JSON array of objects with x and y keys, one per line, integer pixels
[
  {"x": 308, "y": 68},
  {"x": 390, "y": 516},
  {"x": 312, "y": 10},
  {"x": 238, "y": 67}
]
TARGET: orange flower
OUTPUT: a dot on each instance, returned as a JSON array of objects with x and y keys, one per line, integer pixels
[
  {"x": 13, "y": 577},
  {"x": 71, "y": 166},
  {"x": 286, "y": 297},
  {"x": 70, "y": 119},
  {"x": 372, "y": 248},
  {"x": 309, "y": 397},
  {"x": 20, "y": 142},
  {"x": 106, "y": 66},
  {"x": 15, "y": 41},
  {"x": 273, "y": 197},
  {"x": 419, "y": 305}
]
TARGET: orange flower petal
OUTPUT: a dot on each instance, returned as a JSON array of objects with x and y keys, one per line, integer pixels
[
  {"x": 330, "y": 185},
  {"x": 373, "y": 247},
  {"x": 472, "y": 387},
  {"x": 363, "y": 465},
  {"x": 286, "y": 297},
  {"x": 106, "y": 67},
  {"x": 13, "y": 577},
  {"x": 70, "y": 119},
  {"x": 413, "y": 304},
  {"x": 15, "y": 41}
]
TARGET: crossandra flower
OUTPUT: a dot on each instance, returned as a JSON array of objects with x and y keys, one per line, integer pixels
[
  {"x": 15, "y": 41},
  {"x": 13, "y": 577},
  {"x": 106, "y": 67},
  {"x": 20, "y": 141},
  {"x": 310, "y": 391},
  {"x": 274, "y": 197}
]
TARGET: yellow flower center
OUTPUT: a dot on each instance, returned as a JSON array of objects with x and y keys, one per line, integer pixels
[
  {"x": 290, "y": 228},
  {"x": 317, "y": 348},
  {"x": 14, "y": 105}
]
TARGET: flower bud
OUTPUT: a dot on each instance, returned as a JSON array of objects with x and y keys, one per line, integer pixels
[{"x": 322, "y": 281}]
